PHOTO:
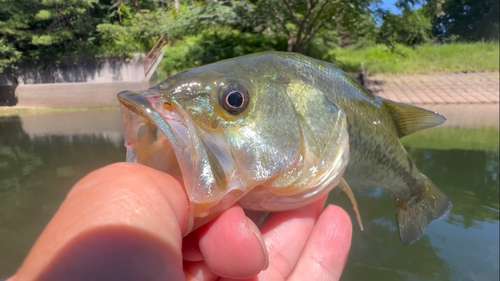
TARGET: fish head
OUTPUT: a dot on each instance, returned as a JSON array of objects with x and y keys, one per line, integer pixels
[{"x": 218, "y": 127}]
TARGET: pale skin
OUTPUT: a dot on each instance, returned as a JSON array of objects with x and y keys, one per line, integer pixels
[{"x": 125, "y": 222}]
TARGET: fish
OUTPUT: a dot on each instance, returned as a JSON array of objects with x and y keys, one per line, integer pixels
[{"x": 276, "y": 131}]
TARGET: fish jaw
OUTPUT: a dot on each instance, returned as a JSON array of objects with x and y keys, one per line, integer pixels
[{"x": 167, "y": 140}]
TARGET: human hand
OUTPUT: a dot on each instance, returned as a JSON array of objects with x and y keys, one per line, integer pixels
[{"x": 125, "y": 222}]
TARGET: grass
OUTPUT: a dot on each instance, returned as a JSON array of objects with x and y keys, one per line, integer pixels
[
  {"x": 456, "y": 57},
  {"x": 485, "y": 139}
]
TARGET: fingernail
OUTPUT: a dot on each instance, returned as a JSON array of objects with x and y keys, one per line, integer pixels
[{"x": 257, "y": 233}]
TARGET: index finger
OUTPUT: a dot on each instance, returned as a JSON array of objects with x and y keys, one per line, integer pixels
[{"x": 326, "y": 252}]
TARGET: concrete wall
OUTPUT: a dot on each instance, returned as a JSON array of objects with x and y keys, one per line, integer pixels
[
  {"x": 74, "y": 94},
  {"x": 8, "y": 95},
  {"x": 94, "y": 84},
  {"x": 6, "y": 79},
  {"x": 87, "y": 70},
  {"x": 8, "y": 86}
]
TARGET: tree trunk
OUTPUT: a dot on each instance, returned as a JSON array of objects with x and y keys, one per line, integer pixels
[
  {"x": 296, "y": 47},
  {"x": 137, "y": 8},
  {"x": 291, "y": 45},
  {"x": 177, "y": 5}
]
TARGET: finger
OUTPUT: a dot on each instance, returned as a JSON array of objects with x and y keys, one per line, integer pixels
[
  {"x": 194, "y": 266},
  {"x": 122, "y": 222},
  {"x": 190, "y": 248},
  {"x": 198, "y": 271},
  {"x": 285, "y": 235},
  {"x": 231, "y": 245},
  {"x": 327, "y": 249}
]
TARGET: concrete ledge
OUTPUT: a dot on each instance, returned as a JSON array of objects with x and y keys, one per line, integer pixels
[
  {"x": 92, "y": 70},
  {"x": 75, "y": 94}
]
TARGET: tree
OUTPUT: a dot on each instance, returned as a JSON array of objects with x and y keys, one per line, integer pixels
[
  {"x": 51, "y": 29},
  {"x": 471, "y": 20},
  {"x": 130, "y": 30},
  {"x": 302, "y": 21},
  {"x": 208, "y": 30},
  {"x": 8, "y": 55},
  {"x": 412, "y": 27}
]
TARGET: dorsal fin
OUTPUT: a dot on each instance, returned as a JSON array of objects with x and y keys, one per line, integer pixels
[{"x": 409, "y": 118}]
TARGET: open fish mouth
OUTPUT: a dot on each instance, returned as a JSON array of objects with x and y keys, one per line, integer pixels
[
  {"x": 162, "y": 136},
  {"x": 153, "y": 135}
]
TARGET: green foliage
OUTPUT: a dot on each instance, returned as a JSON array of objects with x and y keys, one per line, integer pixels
[
  {"x": 8, "y": 55},
  {"x": 412, "y": 27},
  {"x": 125, "y": 36},
  {"x": 204, "y": 31},
  {"x": 43, "y": 15},
  {"x": 471, "y": 20},
  {"x": 214, "y": 45},
  {"x": 138, "y": 32},
  {"x": 422, "y": 59},
  {"x": 237, "y": 28},
  {"x": 50, "y": 29},
  {"x": 303, "y": 21}
]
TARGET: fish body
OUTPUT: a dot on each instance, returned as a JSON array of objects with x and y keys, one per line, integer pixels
[{"x": 275, "y": 131}]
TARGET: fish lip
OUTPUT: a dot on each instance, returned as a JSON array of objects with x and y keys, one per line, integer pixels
[
  {"x": 134, "y": 102},
  {"x": 175, "y": 128},
  {"x": 138, "y": 103}
]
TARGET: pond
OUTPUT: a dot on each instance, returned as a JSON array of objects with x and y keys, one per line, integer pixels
[{"x": 42, "y": 155}]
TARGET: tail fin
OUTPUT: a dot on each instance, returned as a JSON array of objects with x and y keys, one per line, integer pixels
[{"x": 416, "y": 213}]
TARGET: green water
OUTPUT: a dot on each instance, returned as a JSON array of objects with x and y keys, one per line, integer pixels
[{"x": 39, "y": 162}]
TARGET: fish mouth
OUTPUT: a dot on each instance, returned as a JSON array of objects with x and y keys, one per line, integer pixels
[
  {"x": 160, "y": 135},
  {"x": 153, "y": 137}
]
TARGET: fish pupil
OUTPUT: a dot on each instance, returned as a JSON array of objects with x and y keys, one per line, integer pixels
[{"x": 235, "y": 99}]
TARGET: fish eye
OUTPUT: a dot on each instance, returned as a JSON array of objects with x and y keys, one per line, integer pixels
[{"x": 234, "y": 98}]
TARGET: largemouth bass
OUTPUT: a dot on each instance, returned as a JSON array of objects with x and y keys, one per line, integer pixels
[{"x": 276, "y": 131}]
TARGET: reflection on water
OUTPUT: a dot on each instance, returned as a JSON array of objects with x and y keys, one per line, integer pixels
[
  {"x": 36, "y": 173},
  {"x": 462, "y": 246},
  {"x": 41, "y": 160}
]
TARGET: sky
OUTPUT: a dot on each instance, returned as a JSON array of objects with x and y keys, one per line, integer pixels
[
  {"x": 390, "y": 5},
  {"x": 386, "y": 5}
]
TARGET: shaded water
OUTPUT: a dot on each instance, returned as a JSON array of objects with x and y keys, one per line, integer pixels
[{"x": 43, "y": 155}]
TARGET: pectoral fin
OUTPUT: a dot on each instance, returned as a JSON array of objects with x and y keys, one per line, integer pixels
[
  {"x": 348, "y": 191},
  {"x": 409, "y": 118}
]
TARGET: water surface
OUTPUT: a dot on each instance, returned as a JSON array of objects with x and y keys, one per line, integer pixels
[{"x": 43, "y": 155}]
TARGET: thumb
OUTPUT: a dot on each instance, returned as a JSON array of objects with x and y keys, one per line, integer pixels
[{"x": 122, "y": 222}]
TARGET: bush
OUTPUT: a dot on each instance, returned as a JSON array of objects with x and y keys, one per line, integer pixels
[
  {"x": 8, "y": 55},
  {"x": 212, "y": 46}
]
